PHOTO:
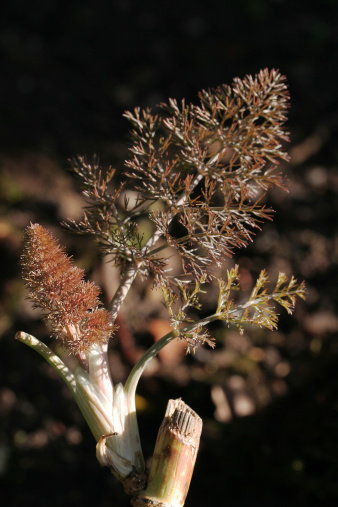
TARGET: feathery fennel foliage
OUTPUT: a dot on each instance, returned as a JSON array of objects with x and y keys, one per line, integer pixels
[{"x": 199, "y": 173}]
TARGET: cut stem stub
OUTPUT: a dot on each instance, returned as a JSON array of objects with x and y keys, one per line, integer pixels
[{"x": 173, "y": 459}]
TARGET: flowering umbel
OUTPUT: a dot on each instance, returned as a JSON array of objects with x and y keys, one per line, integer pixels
[{"x": 56, "y": 286}]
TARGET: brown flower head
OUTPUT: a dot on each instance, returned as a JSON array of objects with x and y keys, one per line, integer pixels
[{"x": 58, "y": 287}]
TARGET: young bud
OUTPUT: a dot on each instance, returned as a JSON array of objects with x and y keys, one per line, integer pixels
[{"x": 56, "y": 286}]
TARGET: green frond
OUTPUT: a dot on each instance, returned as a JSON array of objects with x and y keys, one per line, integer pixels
[{"x": 259, "y": 309}]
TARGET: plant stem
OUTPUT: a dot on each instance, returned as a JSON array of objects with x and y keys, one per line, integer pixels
[
  {"x": 174, "y": 458},
  {"x": 53, "y": 359},
  {"x": 136, "y": 372},
  {"x": 122, "y": 291},
  {"x": 73, "y": 382},
  {"x": 131, "y": 272}
]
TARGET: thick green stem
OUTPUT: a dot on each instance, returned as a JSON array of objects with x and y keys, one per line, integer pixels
[
  {"x": 110, "y": 416},
  {"x": 136, "y": 372},
  {"x": 83, "y": 391},
  {"x": 53, "y": 359},
  {"x": 173, "y": 459}
]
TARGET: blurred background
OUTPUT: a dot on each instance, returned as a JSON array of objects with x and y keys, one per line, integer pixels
[{"x": 269, "y": 401}]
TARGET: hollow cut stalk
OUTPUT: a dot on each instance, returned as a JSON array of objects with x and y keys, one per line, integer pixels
[{"x": 173, "y": 459}]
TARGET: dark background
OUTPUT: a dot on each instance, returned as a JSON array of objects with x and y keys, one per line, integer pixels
[{"x": 68, "y": 72}]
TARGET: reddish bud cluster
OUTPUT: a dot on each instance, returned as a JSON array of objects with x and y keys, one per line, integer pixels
[{"x": 55, "y": 285}]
